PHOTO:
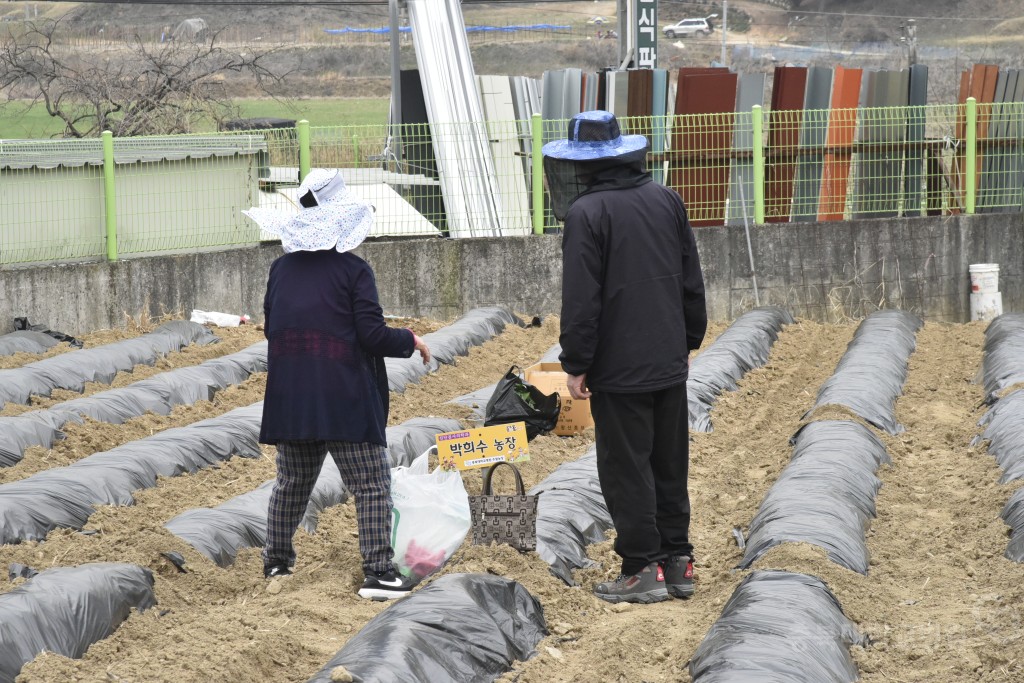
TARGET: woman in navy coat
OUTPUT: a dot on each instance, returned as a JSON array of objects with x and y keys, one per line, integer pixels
[{"x": 327, "y": 388}]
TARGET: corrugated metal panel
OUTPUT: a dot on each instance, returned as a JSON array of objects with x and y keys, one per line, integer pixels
[
  {"x": 659, "y": 105},
  {"x": 913, "y": 187},
  {"x": 703, "y": 181},
  {"x": 813, "y": 130},
  {"x": 468, "y": 183},
  {"x": 496, "y": 92},
  {"x": 841, "y": 127},
  {"x": 741, "y": 181},
  {"x": 788, "y": 87},
  {"x": 24, "y": 154}
]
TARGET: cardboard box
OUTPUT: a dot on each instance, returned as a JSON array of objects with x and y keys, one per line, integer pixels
[{"x": 550, "y": 378}]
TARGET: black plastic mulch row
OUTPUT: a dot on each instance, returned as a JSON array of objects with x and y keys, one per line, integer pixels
[
  {"x": 825, "y": 495},
  {"x": 25, "y": 341},
  {"x": 446, "y": 344},
  {"x": 101, "y": 364},
  {"x": 782, "y": 627},
  {"x": 1002, "y": 368},
  {"x": 1003, "y": 361},
  {"x": 158, "y": 394},
  {"x": 870, "y": 375},
  {"x": 461, "y": 628},
  {"x": 67, "y": 609},
  {"x": 743, "y": 346}
]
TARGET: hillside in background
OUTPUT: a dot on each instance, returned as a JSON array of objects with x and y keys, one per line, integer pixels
[
  {"x": 809, "y": 20},
  {"x": 952, "y": 34}
]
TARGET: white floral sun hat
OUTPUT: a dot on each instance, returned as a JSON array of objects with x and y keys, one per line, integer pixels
[{"x": 330, "y": 218}]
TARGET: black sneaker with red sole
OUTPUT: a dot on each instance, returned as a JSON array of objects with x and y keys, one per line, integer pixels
[
  {"x": 679, "y": 576},
  {"x": 646, "y": 586}
]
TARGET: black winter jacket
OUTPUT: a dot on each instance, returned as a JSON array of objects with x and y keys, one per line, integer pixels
[{"x": 632, "y": 290}]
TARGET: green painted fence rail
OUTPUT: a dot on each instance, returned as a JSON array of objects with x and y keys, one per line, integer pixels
[{"x": 110, "y": 198}]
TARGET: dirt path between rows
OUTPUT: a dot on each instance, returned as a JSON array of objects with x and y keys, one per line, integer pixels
[{"x": 940, "y": 601}]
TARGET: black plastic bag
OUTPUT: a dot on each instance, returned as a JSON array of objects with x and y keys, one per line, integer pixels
[{"x": 514, "y": 400}]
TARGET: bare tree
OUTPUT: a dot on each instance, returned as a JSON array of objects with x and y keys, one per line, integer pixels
[{"x": 139, "y": 88}]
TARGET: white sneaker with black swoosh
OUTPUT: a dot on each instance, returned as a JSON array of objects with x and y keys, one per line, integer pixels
[{"x": 385, "y": 586}]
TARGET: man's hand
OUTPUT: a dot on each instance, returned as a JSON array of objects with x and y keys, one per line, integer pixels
[{"x": 578, "y": 387}]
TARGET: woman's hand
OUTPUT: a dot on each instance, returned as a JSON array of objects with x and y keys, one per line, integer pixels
[{"x": 422, "y": 347}]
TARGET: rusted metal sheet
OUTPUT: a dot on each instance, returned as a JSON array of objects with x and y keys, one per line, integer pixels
[
  {"x": 788, "y": 87},
  {"x": 702, "y": 180},
  {"x": 842, "y": 124},
  {"x": 640, "y": 101}
]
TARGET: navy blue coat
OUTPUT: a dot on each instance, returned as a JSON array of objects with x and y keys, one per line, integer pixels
[{"x": 327, "y": 337}]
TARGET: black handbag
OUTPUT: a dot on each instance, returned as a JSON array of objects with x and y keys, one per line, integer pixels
[
  {"x": 508, "y": 519},
  {"x": 515, "y": 400}
]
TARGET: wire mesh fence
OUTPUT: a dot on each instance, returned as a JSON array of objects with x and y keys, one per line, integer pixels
[{"x": 475, "y": 179}]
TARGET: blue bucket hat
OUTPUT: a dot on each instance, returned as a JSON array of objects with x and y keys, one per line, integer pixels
[{"x": 593, "y": 136}]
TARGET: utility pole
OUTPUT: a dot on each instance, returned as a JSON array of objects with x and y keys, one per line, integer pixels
[
  {"x": 911, "y": 42},
  {"x": 396, "y": 84},
  {"x": 725, "y": 19}
]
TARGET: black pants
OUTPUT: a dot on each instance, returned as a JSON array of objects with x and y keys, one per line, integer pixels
[{"x": 643, "y": 458}]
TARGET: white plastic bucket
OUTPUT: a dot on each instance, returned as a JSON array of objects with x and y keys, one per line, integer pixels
[
  {"x": 984, "y": 277},
  {"x": 986, "y": 305}
]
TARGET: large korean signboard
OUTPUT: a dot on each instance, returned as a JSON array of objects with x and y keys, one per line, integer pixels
[{"x": 646, "y": 13}]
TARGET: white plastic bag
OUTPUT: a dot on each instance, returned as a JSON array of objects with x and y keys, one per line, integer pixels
[
  {"x": 218, "y": 319},
  {"x": 430, "y": 518}
]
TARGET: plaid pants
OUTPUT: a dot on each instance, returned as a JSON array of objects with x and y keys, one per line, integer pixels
[{"x": 366, "y": 472}]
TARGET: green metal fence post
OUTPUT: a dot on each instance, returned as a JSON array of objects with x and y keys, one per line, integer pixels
[
  {"x": 537, "y": 173},
  {"x": 972, "y": 153},
  {"x": 109, "y": 197},
  {"x": 303, "y": 133},
  {"x": 758, "y": 120}
]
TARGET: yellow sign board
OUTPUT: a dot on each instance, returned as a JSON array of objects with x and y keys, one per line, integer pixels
[{"x": 482, "y": 447}]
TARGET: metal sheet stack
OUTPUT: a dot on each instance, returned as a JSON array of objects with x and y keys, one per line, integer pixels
[{"x": 465, "y": 162}]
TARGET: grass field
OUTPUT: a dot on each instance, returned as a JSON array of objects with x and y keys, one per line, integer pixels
[{"x": 18, "y": 122}]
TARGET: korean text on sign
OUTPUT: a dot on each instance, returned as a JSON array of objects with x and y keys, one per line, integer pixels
[{"x": 483, "y": 447}]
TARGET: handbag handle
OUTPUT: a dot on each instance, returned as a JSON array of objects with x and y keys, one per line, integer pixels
[{"x": 486, "y": 489}]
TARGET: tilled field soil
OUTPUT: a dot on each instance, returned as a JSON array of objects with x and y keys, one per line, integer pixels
[{"x": 940, "y": 602}]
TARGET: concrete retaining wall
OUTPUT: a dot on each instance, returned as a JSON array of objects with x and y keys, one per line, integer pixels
[{"x": 823, "y": 271}]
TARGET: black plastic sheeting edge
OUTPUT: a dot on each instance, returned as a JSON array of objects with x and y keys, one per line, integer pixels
[
  {"x": 1002, "y": 368},
  {"x": 220, "y": 532},
  {"x": 66, "y": 496},
  {"x": 743, "y": 346},
  {"x": 778, "y": 626},
  {"x": 571, "y": 514},
  {"x": 67, "y": 609},
  {"x": 870, "y": 375},
  {"x": 25, "y": 341},
  {"x": 825, "y": 496},
  {"x": 1004, "y": 431},
  {"x": 1013, "y": 515},
  {"x": 158, "y": 394},
  {"x": 101, "y": 364},
  {"x": 1003, "y": 362},
  {"x": 461, "y": 628},
  {"x": 446, "y": 344}
]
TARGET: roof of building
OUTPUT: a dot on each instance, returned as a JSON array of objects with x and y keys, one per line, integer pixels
[{"x": 48, "y": 154}]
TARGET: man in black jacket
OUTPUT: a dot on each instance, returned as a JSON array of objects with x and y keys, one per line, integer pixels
[{"x": 632, "y": 310}]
